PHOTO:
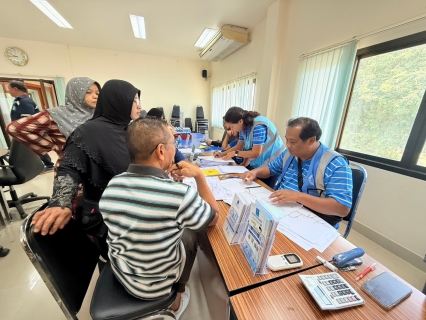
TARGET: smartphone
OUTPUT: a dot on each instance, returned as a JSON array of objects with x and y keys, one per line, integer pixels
[{"x": 284, "y": 261}]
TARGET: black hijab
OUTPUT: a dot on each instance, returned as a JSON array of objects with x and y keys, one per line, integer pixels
[{"x": 103, "y": 138}]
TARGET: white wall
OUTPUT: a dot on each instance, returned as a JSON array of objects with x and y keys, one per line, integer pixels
[
  {"x": 392, "y": 205},
  {"x": 163, "y": 81}
]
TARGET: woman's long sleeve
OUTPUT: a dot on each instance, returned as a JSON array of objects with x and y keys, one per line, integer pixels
[{"x": 67, "y": 179}]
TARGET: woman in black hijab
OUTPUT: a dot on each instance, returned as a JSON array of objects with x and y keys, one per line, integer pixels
[{"x": 94, "y": 153}]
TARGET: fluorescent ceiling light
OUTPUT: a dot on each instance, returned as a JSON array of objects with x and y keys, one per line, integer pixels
[
  {"x": 138, "y": 26},
  {"x": 51, "y": 13},
  {"x": 205, "y": 37}
]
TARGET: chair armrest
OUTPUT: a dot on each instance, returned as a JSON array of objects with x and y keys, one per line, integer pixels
[{"x": 5, "y": 166}]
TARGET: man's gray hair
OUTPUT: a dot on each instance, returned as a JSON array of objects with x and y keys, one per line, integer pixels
[{"x": 143, "y": 136}]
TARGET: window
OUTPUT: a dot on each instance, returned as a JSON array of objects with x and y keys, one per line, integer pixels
[
  {"x": 384, "y": 124},
  {"x": 239, "y": 92}
]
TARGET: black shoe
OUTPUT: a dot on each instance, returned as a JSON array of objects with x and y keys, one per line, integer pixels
[{"x": 4, "y": 252}]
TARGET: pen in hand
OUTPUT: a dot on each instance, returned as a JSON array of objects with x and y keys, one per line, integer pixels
[{"x": 366, "y": 271}]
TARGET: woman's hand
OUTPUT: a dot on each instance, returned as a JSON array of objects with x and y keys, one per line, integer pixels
[{"x": 51, "y": 219}]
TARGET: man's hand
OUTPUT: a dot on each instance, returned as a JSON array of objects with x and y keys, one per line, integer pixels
[
  {"x": 280, "y": 196},
  {"x": 185, "y": 169},
  {"x": 51, "y": 219},
  {"x": 209, "y": 142},
  {"x": 218, "y": 154},
  {"x": 228, "y": 156},
  {"x": 248, "y": 176}
]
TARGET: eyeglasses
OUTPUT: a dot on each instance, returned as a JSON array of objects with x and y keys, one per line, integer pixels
[
  {"x": 159, "y": 144},
  {"x": 138, "y": 102}
]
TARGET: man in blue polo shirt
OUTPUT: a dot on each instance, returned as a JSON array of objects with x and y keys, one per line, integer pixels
[{"x": 310, "y": 173}]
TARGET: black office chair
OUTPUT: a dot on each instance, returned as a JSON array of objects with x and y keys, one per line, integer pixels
[
  {"x": 188, "y": 123},
  {"x": 359, "y": 178},
  {"x": 162, "y": 116},
  {"x": 24, "y": 165},
  {"x": 66, "y": 261},
  {"x": 175, "y": 117},
  {"x": 201, "y": 124}
]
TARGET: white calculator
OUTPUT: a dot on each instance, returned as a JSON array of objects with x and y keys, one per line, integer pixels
[{"x": 331, "y": 291}]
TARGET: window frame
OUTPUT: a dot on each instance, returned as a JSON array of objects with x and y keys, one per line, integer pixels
[{"x": 417, "y": 138}]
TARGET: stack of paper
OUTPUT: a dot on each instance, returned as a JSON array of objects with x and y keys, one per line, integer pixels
[
  {"x": 307, "y": 230},
  {"x": 259, "y": 238},
  {"x": 235, "y": 225},
  {"x": 209, "y": 161}
]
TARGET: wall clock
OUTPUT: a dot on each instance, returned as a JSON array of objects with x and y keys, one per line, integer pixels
[{"x": 16, "y": 56}]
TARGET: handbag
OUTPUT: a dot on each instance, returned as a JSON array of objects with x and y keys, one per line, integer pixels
[{"x": 89, "y": 217}]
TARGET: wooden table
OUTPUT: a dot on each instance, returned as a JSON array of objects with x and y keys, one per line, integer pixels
[
  {"x": 225, "y": 272},
  {"x": 234, "y": 268},
  {"x": 288, "y": 299}
]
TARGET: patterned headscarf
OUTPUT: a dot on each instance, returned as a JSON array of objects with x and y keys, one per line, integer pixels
[{"x": 75, "y": 111}]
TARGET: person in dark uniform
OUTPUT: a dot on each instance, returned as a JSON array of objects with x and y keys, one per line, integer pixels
[{"x": 24, "y": 106}]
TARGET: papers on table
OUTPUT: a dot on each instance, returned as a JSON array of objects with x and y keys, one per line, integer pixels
[
  {"x": 218, "y": 170},
  {"x": 232, "y": 169},
  {"x": 187, "y": 151},
  {"x": 213, "y": 183},
  {"x": 307, "y": 230},
  {"x": 233, "y": 186},
  {"x": 209, "y": 161},
  {"x": 279, "y": 210}
]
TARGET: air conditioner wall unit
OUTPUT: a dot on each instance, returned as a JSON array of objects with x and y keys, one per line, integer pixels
[{"x": 227, "y": 40}]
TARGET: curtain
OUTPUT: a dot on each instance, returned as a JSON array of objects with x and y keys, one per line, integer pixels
[
  {"x": 60, "y": 90},
  {"x": 238, "y": 92},
  {"x": 321, "y": 88}
]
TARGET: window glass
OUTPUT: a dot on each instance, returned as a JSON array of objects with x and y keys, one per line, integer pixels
[{"x": 386, "y": 96}]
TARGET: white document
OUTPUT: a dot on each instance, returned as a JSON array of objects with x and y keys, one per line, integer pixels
[
  {"x": 308, "y": 230},
  {"x": 279, "y": 210},
  {"x": 213, "y": 183},
  {"x": 232, "y": 169}
]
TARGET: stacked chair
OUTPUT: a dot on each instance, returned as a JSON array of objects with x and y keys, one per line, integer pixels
[
  {"x": 201, "y": 124},
  {"x": 175, "y": 117}
]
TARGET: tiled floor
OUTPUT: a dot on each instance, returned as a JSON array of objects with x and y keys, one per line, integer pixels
[{"x": 24, "y": 296}]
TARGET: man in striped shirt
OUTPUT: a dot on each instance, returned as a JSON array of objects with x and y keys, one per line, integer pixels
[
  {"x": 310, "y": 173},
  {"x": 153, "y": 221}
]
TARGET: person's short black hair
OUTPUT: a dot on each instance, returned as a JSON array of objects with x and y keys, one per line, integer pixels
[
  {"x": 18, "y": 85},
  {"x": 310, "y": 127}
]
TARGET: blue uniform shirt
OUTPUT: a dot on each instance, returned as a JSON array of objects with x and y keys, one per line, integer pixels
[{"x": 337, "y": 178}]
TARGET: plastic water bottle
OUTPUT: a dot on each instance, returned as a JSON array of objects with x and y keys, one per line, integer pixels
[
  {"x": 179, "y": 139},
  {"x": 181, "y": 120}
]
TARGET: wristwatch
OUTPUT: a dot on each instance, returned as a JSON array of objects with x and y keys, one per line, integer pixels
[{"x": 237, "y": 152}]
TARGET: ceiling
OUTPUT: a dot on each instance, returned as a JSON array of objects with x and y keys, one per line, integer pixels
[{"x": 172, "y": 26}]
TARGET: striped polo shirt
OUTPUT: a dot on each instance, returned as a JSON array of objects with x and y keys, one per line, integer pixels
[
  {"x": 259, "y": 134},
  {"x": 337, "y": 180},
  {"x": 146, "y": 214}
]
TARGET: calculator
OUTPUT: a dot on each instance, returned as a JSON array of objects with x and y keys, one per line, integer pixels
[{"x": 331, "y": 291}]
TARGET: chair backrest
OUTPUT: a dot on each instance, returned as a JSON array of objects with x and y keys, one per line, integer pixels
[
  {"x": 26, "y": 164},
  {"x": 200, "y": 112},
  {"x": 65, "y": 261},
  {"x": 188, "y": 123},
  {"x": 175, "y": 112},
  {"x": 162, "y": 116},
  {"x": 359, "y": 178}
]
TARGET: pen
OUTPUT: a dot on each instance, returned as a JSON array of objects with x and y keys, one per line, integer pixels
[
  {"x": 326, "y": 263},
  {"x": 252, "y": 187},
  {"x": 366, "y": 271}
]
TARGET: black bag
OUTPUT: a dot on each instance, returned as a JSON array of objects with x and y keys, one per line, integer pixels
[{"x": 89, "y": 217}]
